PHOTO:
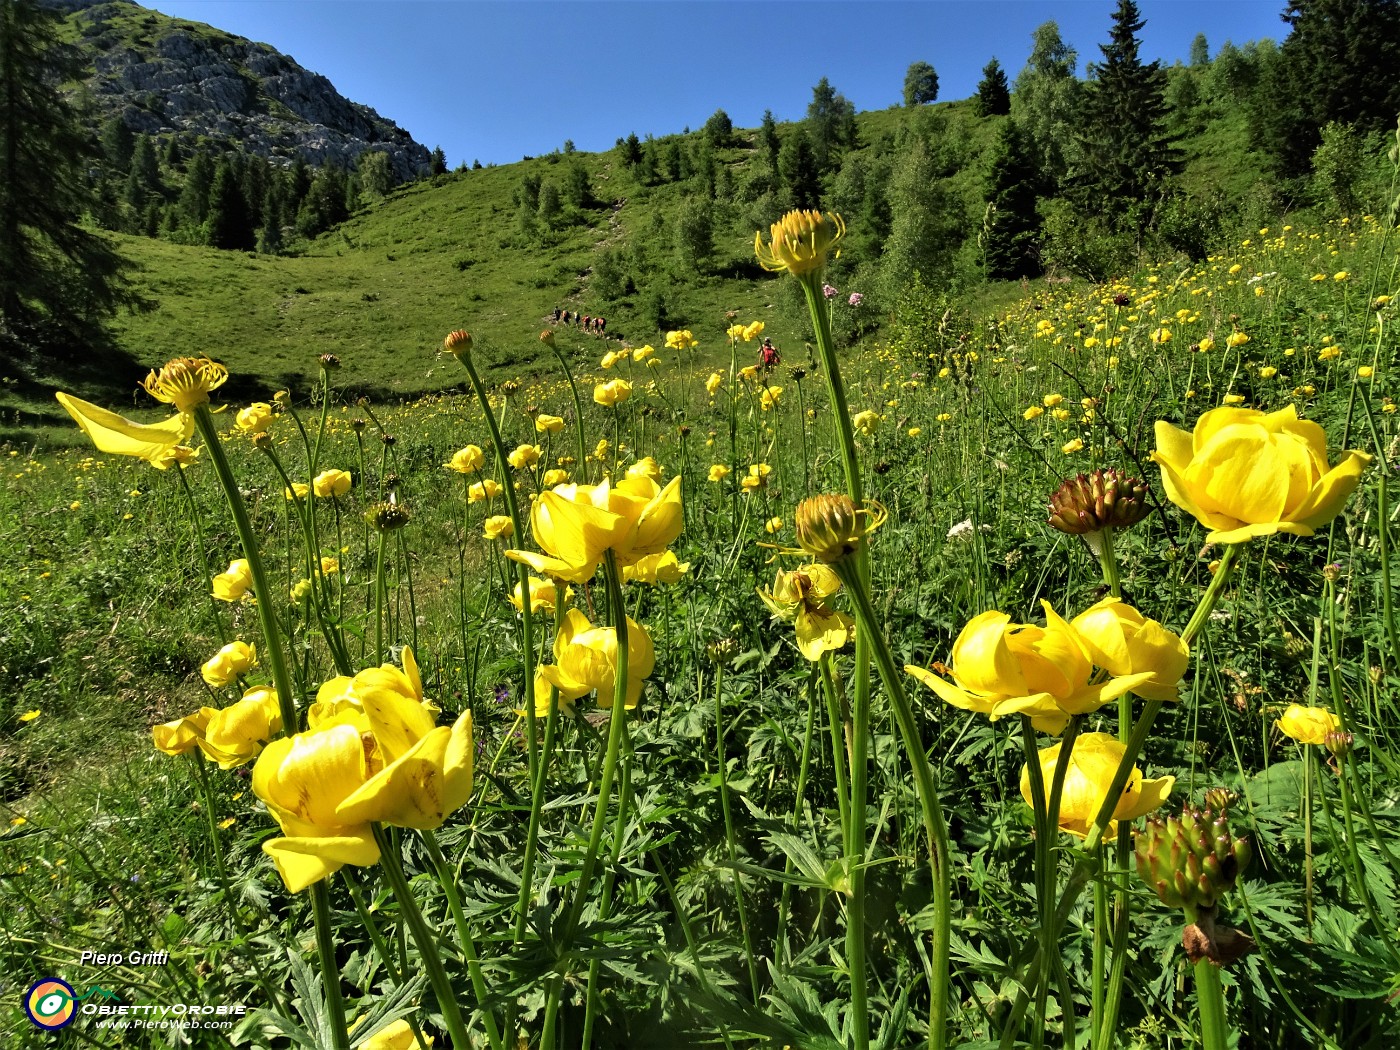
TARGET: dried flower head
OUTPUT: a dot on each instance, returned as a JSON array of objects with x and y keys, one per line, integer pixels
[{"x": 1107, "y": 498}]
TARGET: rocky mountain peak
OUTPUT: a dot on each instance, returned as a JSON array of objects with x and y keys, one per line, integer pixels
[{"x": 166, "y": 76}]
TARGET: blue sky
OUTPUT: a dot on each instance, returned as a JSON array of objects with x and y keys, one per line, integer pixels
[{"x": 494, "y": 81}]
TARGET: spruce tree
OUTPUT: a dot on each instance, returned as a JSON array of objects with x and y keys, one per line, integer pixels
[
  {"x": 993, "y": 94},
  {"x": 830, "y": 124},
  {"x": 1339, "y": 64},
  {"x": 1126, "y": 153},
  {"x": 769, "y": 141},
  {"x": 194, "y": 195},
  {"x": 797, "y": 164},
  {"x": 230, "y": 224},
  {"x": 437, "y": 164},
  {"x": 50, "y": 266},
  {"x": 1011, "y": 234},
  {"x": 631, "y": 150}
]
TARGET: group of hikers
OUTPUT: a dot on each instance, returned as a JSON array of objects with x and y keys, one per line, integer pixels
[{"x": 587, "y": 322}]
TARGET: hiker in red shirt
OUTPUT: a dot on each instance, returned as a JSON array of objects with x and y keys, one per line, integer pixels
[{"x": 768, "y": 356}]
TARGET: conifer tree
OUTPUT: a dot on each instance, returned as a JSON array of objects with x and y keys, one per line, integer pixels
[
  {"x": 1125, "y": 150},
  {"x": 631, "y": 150},
  {"x": 194, "y": 195},
  {"x": 230, "y": 224},
  {"x": 50, "y": 266},
  {"x": 831, "y": 124},
  {"x": 1339, "y": 64},
  {"x": 1010, "y": 236},
  {"x": 797, "y": 164},
  {"x": 437, "y": 163},
  {"x": 993, "y": 95},
  {"x": 769, "y": 141},
  {"x": 1200, "y": 51}
]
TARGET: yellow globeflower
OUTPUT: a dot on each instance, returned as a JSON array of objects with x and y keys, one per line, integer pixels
[
  {"x": 574, "y": 526},
  {"x": 656, "y": 568},
  {"x": 183, "y": 734},
  {"x": 329, "y": 565},
  {"x": 1236, "y": 339},
  {"x": 299, "y": 490},
  {"x": 177, "y": 455},
  {"x": 718, "y": 472},
  {"x": 1160, "y": 335},
  {"x": 866, "y": 422},
  {"x": 554, "y": 476},
  {"x": 498, "y": 526},
  {"x": 799, "y": 598},
  {"x": 185, "y": 382},
  {"x": 1034, "y": 412},
  {"x": 256, "y": 418},
  {"x": 466, "y": 460},
  {"x": 681, "y": 340},
  {"x": 713, "y": 383},
  {"x": 237, "y": 733},
  {"x": 233, "y": 584},
  {"x": 123, "y": 437},
  {"x": 642, "y": 353},
  {"x": 753, "y": 331},
  {"x": 611, "y": 358},
  {"x": 228, "y": 663},
  {"x": 483, "y": 490},
  {"x": 734, "y": 332},
  {"x": 612, "y": 393},
  {"x": 1123, "y": 642},
  {"x": 1093, "y": 761},
  {"x": 646, "y": 467},
  {"x": 799, "y": 242},
  {"x": 769, "y": 397},
  {"x": 1001, "y": 668},
  {"x": 1205, "y": 345},
  {"x": 396, "y": 1036},
  {"x": 545, "y": 423},
  {"x": 1052, "y": 400},
  {"x": 523, "y": 456},
  {"x": 331, "y": 483},
  {"x": 586, "y": 658},
  {"x": 426, "y": 771},
  {"x": 303, "y": 779},
  {"x": 1308, "y": 725},
  {"x": 544, "y": 594},
  {"x": 1244, "y": 473}
]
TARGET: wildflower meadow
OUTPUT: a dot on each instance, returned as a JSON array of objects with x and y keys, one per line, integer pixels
[{"x": 1031, "y": 686}]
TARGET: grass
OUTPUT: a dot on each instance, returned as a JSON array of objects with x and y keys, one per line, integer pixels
[{"x": 106, "y": 620}]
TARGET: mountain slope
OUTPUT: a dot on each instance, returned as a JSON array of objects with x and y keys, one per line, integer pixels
[{"x": 164, "y": 76}]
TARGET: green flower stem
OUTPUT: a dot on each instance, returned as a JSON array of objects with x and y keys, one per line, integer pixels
[
  {"x": 799, "y": 800},
  {"x": 423, "y": 938},
  {"x": 1392, "y": 632},
  {"x": 1087, "y": 866},
  {"x": 935, "y": 826},
  {"x": 379, "y": 597},
  {"x": 1097, "y": 990},
  {"x": 198, "y": 528},
  {"x": 532, "y": 835},
  {"x": 616, "y": 730},
  {"x": 1210, "y": 1001},
  {"x": 624, "y": 794},
  {"x": 447, "y": 879},
  {"x": 729, "y": 832},
  {"x": 306, "y": 517},
  {"x": 267, "y": 617},
  {"x": 321, "y": 429},
  {"x": 578, "y": 411},
  {"x": 225, "y": 887},
  {"x": 835, "y": 721},
  {"x": 860, "y": 705},
  {"x": 330, "y": 969},
  {"x": 381, "y": 948},
  {"x": 806, "y": 460},
  {"x": 690, "y": 942},
  {"x": 522, "y": 573}
]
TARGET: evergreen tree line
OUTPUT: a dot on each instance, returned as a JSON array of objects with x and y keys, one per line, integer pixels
[{"x": 202, "y": 192}]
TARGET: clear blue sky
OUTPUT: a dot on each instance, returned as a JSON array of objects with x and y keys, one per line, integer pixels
[{"x": 494, "y": 81}]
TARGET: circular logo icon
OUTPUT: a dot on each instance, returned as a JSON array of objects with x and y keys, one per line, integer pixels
[{"x": 51, "y": 1004}]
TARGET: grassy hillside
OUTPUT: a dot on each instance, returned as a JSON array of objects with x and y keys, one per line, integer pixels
[{"x": 382, "y": 289}]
